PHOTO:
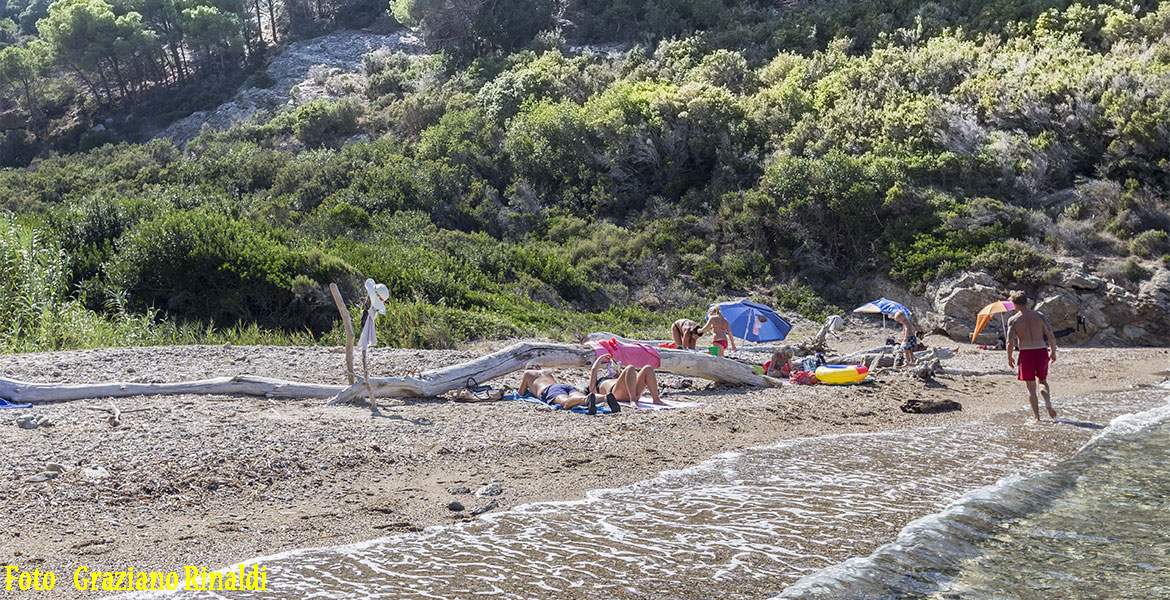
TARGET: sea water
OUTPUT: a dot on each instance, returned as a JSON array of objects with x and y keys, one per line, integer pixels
[
  {"x": 1096, "y": 526},
  {"x": 750, "y": 524}
]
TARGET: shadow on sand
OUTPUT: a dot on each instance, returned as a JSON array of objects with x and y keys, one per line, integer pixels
[{"x": 1081, "y": 424}]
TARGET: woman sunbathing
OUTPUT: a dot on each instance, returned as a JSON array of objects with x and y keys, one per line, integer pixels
[
  {"x": 543, "y": 384},
  {"x": 626, "y": 386}
]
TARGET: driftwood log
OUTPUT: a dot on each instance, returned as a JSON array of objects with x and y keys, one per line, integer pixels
[
  {"x": 426, "y": 384},
  {"x": 886, "y": 356},
  {"x": 245, "y": 385},
  {"x": 517, "y": 357}
]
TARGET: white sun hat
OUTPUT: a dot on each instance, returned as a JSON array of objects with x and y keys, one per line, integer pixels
[{"x": 379, "y": 294}]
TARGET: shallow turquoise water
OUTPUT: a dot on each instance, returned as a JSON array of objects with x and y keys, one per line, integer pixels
[{"x": 1096, "y": 526}]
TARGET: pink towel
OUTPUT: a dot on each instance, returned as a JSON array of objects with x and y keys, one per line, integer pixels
[{"x": 630, "y": 354}]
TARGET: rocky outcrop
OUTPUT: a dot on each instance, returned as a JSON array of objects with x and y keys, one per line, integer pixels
[
  {"x": 1112, "y": 315},
  {"x": 957, "y": 301},
  {"x": 292, "y": 71}
]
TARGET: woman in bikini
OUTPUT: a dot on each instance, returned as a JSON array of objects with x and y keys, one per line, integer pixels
[
  {"x": 626, "y": 386},
  {"x": 721, "y": 329}
]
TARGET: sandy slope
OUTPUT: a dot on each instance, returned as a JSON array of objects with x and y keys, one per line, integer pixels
[{"x": 212, "y": 480}]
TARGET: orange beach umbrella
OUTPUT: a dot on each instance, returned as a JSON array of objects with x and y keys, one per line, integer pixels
[{"x": 1000, "y": 307}]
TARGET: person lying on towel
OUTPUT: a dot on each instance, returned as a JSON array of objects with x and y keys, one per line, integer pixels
[
  {"x": 626, "y": 385},
  {"x": 543, "y": 384}
]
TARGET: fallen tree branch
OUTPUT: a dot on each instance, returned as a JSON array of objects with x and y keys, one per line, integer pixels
[
  {"x": 246, "y": 385},
  {"x": 886, "y": 356},
  {"x": 425, "y": 384},
  {"x": 517, "y": 357}
]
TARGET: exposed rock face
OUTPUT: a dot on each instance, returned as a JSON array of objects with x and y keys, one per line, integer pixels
[
  {"x": 959, "y": 299},
  {"x": 1113, "y": 315},
  {"x": 334, "y": 53}
]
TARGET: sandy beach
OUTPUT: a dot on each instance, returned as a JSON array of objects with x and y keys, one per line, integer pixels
[{"x": 209, "y": 481}]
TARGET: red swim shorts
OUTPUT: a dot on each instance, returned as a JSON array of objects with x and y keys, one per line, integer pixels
[
  {"x": 1033, "y": 364},
  {"x": 720, "y": 343}
]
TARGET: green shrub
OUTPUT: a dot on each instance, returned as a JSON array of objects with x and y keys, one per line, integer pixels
[
  {"x": 1135, "y": 272},
  {"x": 802, "y": 300},
  {"x": 261, "y": 79},
  {"x": 321, "y": 121},
  {"x": 208, "y": 267},
  {"x": 1013, "y": 261},
  {"x": 1149, "y": 243}
]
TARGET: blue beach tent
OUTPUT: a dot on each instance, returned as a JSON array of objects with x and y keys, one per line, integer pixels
[{"x": 754, "y": 322}]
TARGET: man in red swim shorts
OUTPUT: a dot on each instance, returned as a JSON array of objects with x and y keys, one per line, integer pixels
[{"x": 1037, "y": 346}]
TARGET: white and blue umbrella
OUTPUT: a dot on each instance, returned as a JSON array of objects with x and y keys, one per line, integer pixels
[
  {"x": 882, "y": 306},
  {"x": 754, "y": 322}
]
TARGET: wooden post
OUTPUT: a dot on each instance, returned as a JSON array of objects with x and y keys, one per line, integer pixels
[
  {"x": 366, "y": 375},
  {"x": 348, "y": 330}
]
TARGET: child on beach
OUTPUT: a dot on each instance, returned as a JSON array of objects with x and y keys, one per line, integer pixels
[
  {"x": 721, "y": 328},
  {"x": 781, "y": 363},
  {"x": 910, "y": 336}
]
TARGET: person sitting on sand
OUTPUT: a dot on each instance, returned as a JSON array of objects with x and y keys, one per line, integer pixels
[
  {"x": 781, "y": 363},
  {"x": 1035, "y": 337},
  {"x": 626, "y": 386},
  {"x": 543, "y": 384},
  {"x": 910, "y": 335},
  {"x": 721, "y": 328},
  {"x": 685, "y": 333}
]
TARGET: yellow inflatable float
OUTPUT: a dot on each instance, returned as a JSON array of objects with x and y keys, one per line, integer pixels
[{"x": 842, "y": 373}]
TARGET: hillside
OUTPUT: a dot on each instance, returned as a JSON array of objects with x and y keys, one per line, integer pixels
[{"x": 547, "y": 171}]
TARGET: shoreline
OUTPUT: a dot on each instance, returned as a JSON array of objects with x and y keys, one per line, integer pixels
[{"x": 213, "y": 481}]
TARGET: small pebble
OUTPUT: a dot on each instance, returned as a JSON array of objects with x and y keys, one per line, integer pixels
[{"x": 454, "y": 506}]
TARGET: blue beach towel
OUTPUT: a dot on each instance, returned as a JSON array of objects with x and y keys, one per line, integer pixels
[
  {"x": 601, "y": 410},
  {"x": 6, "y": 404}
]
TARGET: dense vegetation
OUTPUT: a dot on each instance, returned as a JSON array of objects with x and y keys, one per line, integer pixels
[
  {"x": 505, "y": 185},
  {"x": 75, "y": 74}
]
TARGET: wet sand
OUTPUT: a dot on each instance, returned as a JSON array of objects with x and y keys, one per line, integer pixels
[{"x": 208, "y": 481}]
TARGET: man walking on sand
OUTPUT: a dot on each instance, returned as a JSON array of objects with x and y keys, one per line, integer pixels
[{"x": 1031, "y": 329}]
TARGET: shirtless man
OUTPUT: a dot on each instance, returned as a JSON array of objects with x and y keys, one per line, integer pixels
[
  {"x": 1030, "y": 328},
  {"x": 721, "y": 329},
  {"x": 543, "y": 384},
  {"x": 685, "y": 333}
]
